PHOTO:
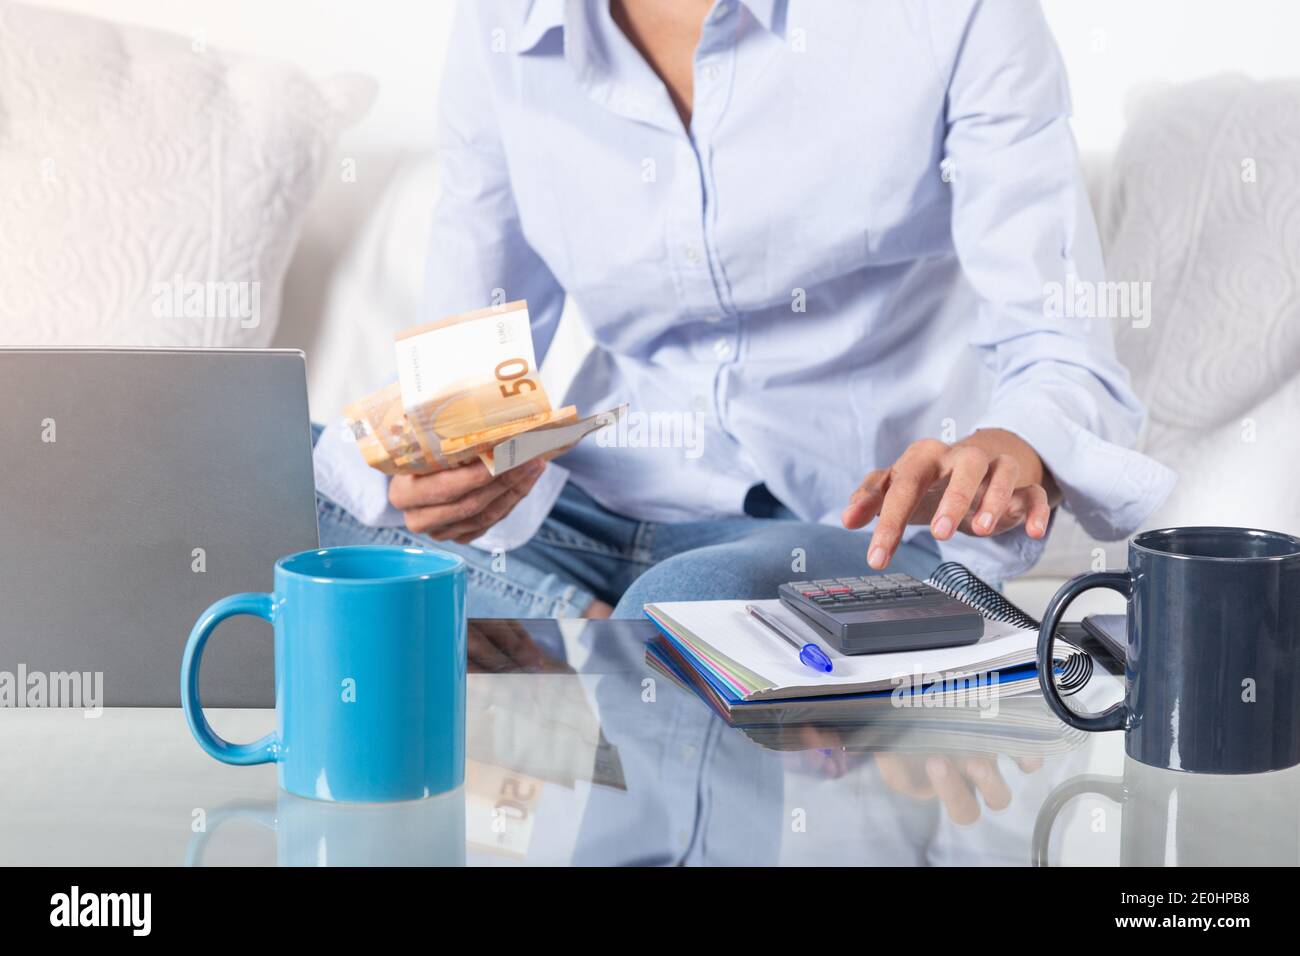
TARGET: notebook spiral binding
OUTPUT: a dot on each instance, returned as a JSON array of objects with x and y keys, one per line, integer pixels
[{"x": 958, "y": 581}]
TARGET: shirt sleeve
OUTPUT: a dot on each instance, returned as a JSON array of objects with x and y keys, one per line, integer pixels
[
  {"x": 1026, "y": 238},
  {"x": 478, "y": 255}
]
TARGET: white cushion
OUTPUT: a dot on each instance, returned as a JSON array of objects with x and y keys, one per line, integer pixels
[
  {"x": 151, "y": 190},
  {"x": 1201, "y": 201}
]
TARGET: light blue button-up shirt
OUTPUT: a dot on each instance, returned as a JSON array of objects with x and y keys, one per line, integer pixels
[{"x": 849, "y": 249}]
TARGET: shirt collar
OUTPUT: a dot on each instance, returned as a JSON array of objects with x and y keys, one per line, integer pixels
[
  {"x": 543, "y": 16},
  {"x": 770, "y": 13}
]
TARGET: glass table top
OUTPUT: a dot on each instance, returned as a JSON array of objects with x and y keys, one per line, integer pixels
[{"x": 580, "y": 752}]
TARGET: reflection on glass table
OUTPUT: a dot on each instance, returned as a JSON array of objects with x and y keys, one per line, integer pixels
[
  {"x": 623, "y": 765},
  {"x": 597, "y": 757},
  {"x": 581, "y": 752},
  {"x": 319, "y": 833},
  {"x": 1169, "y": 818}
]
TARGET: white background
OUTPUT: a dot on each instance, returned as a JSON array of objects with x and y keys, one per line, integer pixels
[{"x": 1109, "y": 46}]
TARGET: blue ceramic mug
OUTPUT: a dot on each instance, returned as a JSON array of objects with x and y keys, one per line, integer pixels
[
  {"x": 1212, "y": 676},
  {"x": 370, "y": 665}
]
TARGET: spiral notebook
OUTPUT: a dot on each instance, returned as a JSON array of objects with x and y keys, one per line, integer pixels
[{"x": 729, "y": 659}]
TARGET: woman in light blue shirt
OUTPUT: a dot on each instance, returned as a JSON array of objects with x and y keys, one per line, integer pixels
[{"x": 817, "y": 245}]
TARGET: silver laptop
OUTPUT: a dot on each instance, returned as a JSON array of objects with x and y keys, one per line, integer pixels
[{"x": 137, "y": 487}]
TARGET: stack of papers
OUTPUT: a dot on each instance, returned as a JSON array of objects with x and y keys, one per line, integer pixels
[
  {"x": 1020, "y": 726},
  {"x": 749, "y": 675}
]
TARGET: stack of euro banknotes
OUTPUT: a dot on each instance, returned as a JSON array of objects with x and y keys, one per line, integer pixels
[{"x": 467, "y": 389}]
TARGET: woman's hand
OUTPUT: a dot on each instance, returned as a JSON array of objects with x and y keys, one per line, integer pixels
[
  {"x": 459, "y": 504},
  {"x": 954, "y": 778},
  {"x": 983, "y": 485}
]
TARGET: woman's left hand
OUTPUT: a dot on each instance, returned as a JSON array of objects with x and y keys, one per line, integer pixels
[{"x": 983, "y": 485}]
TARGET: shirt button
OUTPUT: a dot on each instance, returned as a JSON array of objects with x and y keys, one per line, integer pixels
[
  {"x": 692, "y": 253},
  {"x": 722, "y": 349},
  {"x": 711, "y": 73}
]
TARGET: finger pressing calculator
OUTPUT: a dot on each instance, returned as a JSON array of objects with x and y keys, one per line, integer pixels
[{"x": 877, "y": 614}]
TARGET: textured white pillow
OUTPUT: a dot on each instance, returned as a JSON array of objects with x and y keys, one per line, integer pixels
[
  {"x": 1203, "y": 202},
  {"x": 151, "y": 190}
]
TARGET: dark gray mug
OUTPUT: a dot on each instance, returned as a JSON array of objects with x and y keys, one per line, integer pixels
[{"x": 1212, "y": 676}]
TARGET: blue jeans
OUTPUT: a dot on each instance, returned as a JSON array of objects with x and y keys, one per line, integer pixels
[{"x": 584, "y": 552}]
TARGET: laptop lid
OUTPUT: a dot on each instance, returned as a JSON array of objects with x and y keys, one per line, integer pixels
[{"x": 139, "y": 486}]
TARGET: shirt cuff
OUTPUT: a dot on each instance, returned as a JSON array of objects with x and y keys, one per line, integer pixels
[
  {"x": 343, "y": 477},
  {"x": 1109, "y": 489},
  {"x": 998, "y": 558}
]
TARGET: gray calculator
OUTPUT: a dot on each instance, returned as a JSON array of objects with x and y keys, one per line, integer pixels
[{"x": 879, "y": 613}]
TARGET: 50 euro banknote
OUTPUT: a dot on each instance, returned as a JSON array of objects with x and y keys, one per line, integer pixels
[{"x": 467, "y": 389}]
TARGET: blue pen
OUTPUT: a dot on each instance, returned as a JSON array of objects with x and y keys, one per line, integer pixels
[{"x": 809, "y": 653}]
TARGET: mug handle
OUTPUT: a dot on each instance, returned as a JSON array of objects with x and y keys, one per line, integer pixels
[
  {"x": 260, "y": 813},
  {"x": 1114, "y": 717},
  {"x": 264, "y": 750},
  {"x": 1110, "y": 787}
]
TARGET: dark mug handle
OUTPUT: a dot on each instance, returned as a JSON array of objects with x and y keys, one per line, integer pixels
[{"x": 1114, "y": 717}]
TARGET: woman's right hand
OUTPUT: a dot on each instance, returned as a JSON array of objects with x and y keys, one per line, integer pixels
[{"x": 460, "y": 504}]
